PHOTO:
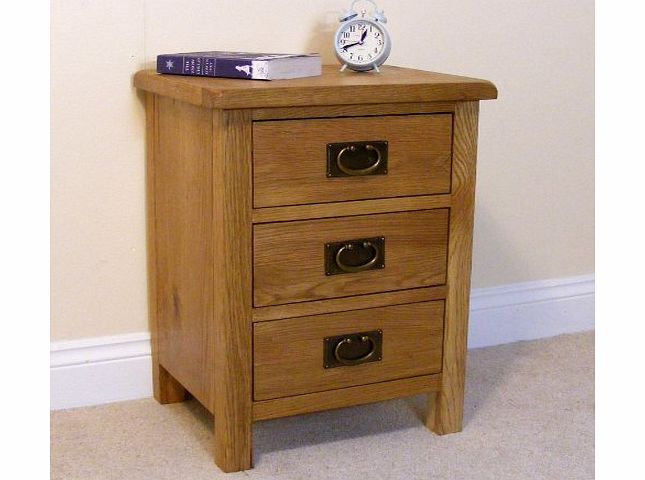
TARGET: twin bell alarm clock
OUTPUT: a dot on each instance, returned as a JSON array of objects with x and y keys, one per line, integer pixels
[{"x": 362, "y": 42}]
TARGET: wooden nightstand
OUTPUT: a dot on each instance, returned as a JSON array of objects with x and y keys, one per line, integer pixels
[{"x": 310, "y": 243}]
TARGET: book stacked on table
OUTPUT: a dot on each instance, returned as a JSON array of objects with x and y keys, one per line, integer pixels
[{"x": 251, "y": 66}]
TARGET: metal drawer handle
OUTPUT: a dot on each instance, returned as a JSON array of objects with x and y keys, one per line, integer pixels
[
  {"x": 357, "y": 268},
  {"x": 359, "y": 171},
  {"x": 354, "y": 348},
  {"x": 354, "y": 361}
]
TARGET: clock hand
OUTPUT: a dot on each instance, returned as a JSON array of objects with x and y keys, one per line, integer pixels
[
  {"x": 363, "y": 36},
  {"x": 351, "y": 45}
]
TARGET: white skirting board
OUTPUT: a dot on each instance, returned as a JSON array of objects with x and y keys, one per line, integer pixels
[{"x": 111, "y": 369}]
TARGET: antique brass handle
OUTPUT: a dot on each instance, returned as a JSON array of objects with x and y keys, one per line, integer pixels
[
  {"x": 358, "y": 171},
  {"x": 352, "y": 349},
  {"x": 354, "y": 361},
  {"x": 357, "y": 268},
  {"x": 355, "y": 255}
]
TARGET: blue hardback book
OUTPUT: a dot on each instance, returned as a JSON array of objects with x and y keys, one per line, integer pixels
[{"x": 251, "y": 66}]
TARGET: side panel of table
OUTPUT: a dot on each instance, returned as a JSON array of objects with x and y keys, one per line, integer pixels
[{"x": 180, "y": 247}]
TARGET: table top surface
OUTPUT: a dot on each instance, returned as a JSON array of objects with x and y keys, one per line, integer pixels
[{"x": 391, "y": 85}]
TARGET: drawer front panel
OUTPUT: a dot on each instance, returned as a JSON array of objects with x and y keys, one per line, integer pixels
[
  {"x": 290, "y": 158},
  {"x": 289, "y": 355},
  {"x": 289, "y": 259}
]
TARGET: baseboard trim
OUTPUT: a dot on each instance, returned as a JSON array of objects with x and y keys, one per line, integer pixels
[
  {"x": 100, "y": 370},
  {"x": 531, "y": 310},
  {"x": 111, "y": 369},
  {"x": 99, "y": 349}
]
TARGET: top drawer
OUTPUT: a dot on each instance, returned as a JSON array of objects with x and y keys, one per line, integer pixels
[{"x": 290, "y": 158}]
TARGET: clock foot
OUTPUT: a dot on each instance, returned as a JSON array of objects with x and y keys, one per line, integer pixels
[
  {"x": 342, "y": 69},
  {"x": 376, "y": 68}
]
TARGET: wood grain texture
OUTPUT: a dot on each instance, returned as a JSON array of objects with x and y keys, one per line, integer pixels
[
  {"x": 288, "y": 354},
  {"x": 183, "y": 246},
  {"x": 290, "y": 158},
  {"x": 151, "y": 251},
  {"x": 349, "y": 303},
  {"x": 330, "y": 111},
  {"x": 231, "y": 340},
  {"x": 345, "y": 209},
  {"x": 445, "y": 413},
  {"x": 289, "y": 260},
  {"x": 345, "y": 397},
  {"x": 392, "y": 85}
]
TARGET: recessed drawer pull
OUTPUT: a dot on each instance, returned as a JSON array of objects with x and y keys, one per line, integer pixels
[
  {"x": 358, "y": 171},
  {"x": 354, "y": 361},
  {"x": 357, "y": 268},
  {"x": 353, "y": 349},
  {"x": 353, "y": 256},
  {"x": 357, "y": 159}
]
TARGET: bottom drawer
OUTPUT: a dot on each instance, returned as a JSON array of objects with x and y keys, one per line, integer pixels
[{"x": 292, "y": 356}]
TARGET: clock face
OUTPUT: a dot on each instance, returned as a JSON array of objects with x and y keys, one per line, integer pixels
[{"x": 362, "y": 43}]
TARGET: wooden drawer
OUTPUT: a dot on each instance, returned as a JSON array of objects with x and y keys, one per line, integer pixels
[
  {"x": 288, "y": 354},
  {"x": 290, "y": 158},
  {"x": 289, "y": 257}
]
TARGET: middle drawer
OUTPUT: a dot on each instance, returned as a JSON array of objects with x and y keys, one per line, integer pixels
[{"x": 291, "y": 260}]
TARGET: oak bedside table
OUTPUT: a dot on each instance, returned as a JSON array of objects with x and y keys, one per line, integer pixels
[{"x": 309, "y": 243}]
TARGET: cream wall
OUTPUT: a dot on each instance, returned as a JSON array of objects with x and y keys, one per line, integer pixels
[{"x": 535, "y": 204}]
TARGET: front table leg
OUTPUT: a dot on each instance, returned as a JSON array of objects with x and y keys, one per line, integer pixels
[
  {"x": 232, "y": 259},
  {"x": 446, "y": 409},
  {"x": 233, "y": 433}
]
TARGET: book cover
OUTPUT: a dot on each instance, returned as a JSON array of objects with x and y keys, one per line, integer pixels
[{"x": 252, "y": 66}]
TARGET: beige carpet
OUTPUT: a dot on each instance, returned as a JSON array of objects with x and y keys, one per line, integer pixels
[{"x": 529, "y": 415}]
